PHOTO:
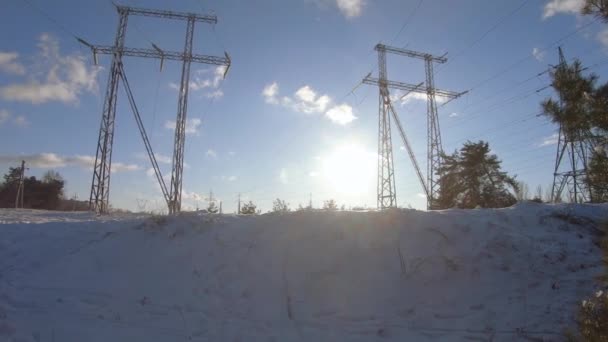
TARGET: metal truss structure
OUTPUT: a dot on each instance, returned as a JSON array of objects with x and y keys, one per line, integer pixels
[
  {"x": 387, "y": 196},
  {"x": 570, "y": 173},
  {"x": 100, "y": 186}
]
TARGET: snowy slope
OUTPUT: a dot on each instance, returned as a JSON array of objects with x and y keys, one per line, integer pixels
[{"x": 461, "y": 275}]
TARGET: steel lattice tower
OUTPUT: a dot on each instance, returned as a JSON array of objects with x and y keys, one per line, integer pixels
[
  {"x": 100, "y": 187},
  {"x": 387, "y": 195},
  {"x": 386, "y": 175},
  {"x": 434, "y": 146},
  {"x": 570, "y": 173}
]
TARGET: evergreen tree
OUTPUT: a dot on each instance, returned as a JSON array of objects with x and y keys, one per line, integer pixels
[
  {"x": 330, "y": 205},
  {"x": 212, "y": 208},
  {"x": 45, "y": 194},
  {"x": 280, "y": 206},
  {"x": 598, "y": 8},
  {"x": 472, "y": 177},
  {"x": 582, "y": 113},
  {"x": 248, "y": 208}
]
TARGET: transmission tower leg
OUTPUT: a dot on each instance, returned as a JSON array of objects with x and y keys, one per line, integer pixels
[
  {"x": 434, "y": 146},
  {"x": 180, "y": 125},
  {"x": 387, "y": 196},
  {"x": 100, "y": 186}
]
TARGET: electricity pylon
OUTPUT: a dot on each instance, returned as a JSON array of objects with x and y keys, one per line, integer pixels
[
  {"x": 386, "y": 176},
  {"x": 571, "y": 172},
  {"x": 20, "y": 189},
  {"x": 100, "y": 186}
]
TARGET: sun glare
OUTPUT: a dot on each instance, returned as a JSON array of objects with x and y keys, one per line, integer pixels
[{"x": 349, "y": 169}]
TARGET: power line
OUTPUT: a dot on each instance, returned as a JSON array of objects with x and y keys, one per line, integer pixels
[
  {"x": 492, "y": 28},
  {"x": 408, "y": 20},
  {"x": 50, "y": 18},
  {"x": 527, "y": 57}
]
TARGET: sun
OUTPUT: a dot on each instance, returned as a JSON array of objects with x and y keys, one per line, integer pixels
[{"x": 349, "y": 169}]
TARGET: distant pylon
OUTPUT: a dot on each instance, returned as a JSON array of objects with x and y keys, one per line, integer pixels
[
  {"x": 20, "y": 189},
  {"x": 570, "y": 173}
]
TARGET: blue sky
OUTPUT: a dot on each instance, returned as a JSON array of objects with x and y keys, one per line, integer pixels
[{"x": 284, "y": 122}]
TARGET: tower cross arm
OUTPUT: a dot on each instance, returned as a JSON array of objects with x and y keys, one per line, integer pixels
[
  {"x": 410, "y": 53},
  {"x": 417, "y": 88},
  {"x": 211, "y": 19},
  {"x": 161, "y": 54}
]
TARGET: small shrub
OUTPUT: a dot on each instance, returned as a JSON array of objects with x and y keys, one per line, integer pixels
[
  {"x": 280, "y": 206},
  {"x": 330, "y": 205},
  {"x": 249, "y": 209},
  {"x": 593, "y": 319}
]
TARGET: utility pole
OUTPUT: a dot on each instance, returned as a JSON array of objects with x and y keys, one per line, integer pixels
[
  {"x": 387, "y": 196},
  {"x": 100, "y": 186},
  {"x": 239, "y": 206},
  {"x": 20, "y": 189},
  {"x": 310, "y": 202},
  {"x": 571, "y": 172}
]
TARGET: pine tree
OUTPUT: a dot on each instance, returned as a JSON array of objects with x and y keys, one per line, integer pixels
[
  {"x": 330, "y": 205},
  {"x": 598, "y": 8},
  {"x": 472, "y": 177},
  {"x": 248, "y": 208},
  {"x": 280, "y": 206},
  {"x": 582, "y": 113},
  {"x": 212, "y": 208}
]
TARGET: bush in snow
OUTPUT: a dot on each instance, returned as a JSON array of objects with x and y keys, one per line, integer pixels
[
  {"x": 248, "y": 208},
  {"x": 330, "y": 205},
  {"x": 593, "y": 319},
  {"x": 280, "y": 206}
]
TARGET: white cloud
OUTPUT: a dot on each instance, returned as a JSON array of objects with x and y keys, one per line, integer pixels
[
  {"x": 4, "y": 116},
  {"x": 161, "y": 158},
  {"x": 9, "y": 64},
  {"x": 307, "y": 100},
  {"x": 53, "y": 160},
  {"x": 211, "y": 153},
  {"x": 186, "y": 195},
  {"x": 417, "y": 97},
  {"x": 313, "y": 174},
  {"x": 421, "y": 195},
  {"x": 211, "y": 83},
  {"x": 215, "y": 94},
  {"x": 350, "y": 8},
  {"x": 602, "y": 37},
  {"x": 270, "y": 93},
  {"x": 21, "y": 121},
  {"x": 538, "y": 54},
  {"x": 60, "y": 78},
  {"x": 453, "y": 115},
  {"x": 228, "y": 178},
  {"x": 119, "y": 167},
  {"x": 550, "y": 140},
  {"x": 306, "y": 94},
  {"x": 554, "y": 7},
  {"x": 191, "y": 125},
  {"x": 283, "y": 177},
  {"x": 231, "y": 153},
  {"x": 342, "y": 114}
]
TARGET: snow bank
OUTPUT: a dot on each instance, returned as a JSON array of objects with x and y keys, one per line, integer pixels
[{"x": 505, "y": 275}]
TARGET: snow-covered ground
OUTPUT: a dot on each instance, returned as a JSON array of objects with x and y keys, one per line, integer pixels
[{"x": 400, "y": 275}]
